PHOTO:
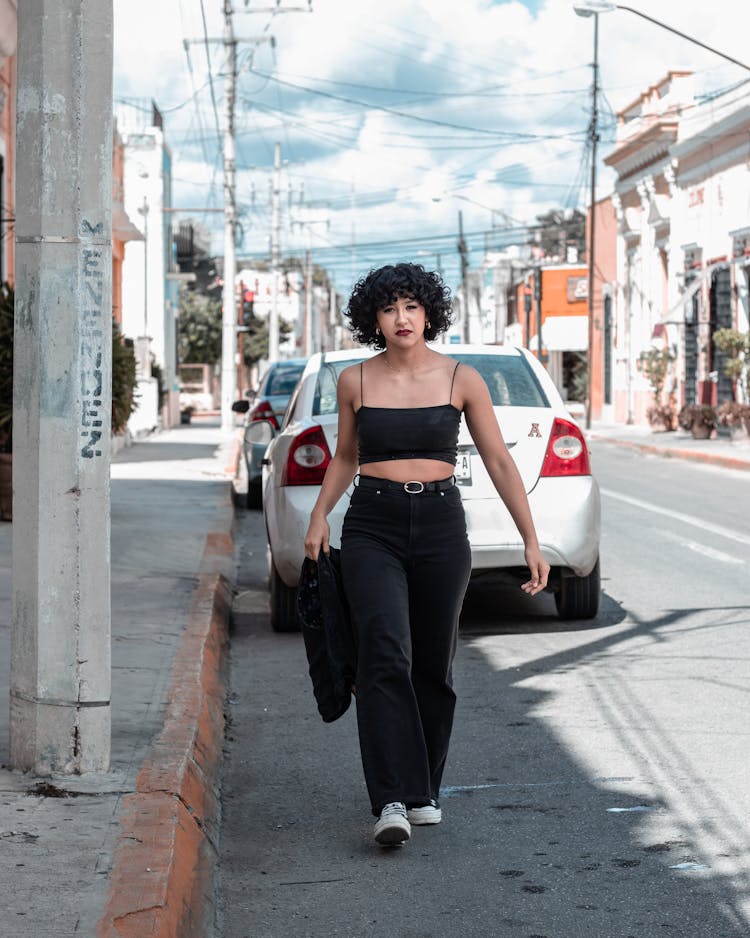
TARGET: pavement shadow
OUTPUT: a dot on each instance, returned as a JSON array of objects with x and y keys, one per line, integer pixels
[
  {"x": 533, "y": 843},
  {"x": 600, "y": 856}
]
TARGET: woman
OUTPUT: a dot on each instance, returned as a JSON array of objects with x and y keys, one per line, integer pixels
[{"x": 405, "y": 557}]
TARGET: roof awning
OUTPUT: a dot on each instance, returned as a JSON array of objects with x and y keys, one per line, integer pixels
[{"x": 565, "y": 333}]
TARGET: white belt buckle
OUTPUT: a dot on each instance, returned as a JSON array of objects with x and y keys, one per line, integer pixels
[{"x": 414, "y": 491}]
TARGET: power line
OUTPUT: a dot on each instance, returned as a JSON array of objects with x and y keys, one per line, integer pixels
[
  {"x": 206, "y": 44},
  {"x": 415, "y": 117}
]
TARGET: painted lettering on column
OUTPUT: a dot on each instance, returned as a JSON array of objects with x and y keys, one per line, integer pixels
[{"x": 92, "y": 348}]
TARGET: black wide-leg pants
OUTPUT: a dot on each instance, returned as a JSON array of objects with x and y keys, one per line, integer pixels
[{"x": 405, "y": 563}]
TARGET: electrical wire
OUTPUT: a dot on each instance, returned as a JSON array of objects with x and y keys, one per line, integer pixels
[
  {"x": 206, "y": 44},
  {"x": 415, "y": 117}
]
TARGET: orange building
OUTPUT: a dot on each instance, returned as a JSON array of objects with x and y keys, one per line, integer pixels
[{"x": 556, "y": 296}]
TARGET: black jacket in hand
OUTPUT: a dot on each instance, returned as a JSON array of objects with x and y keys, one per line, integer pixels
[{"x": 327, "y": 633}]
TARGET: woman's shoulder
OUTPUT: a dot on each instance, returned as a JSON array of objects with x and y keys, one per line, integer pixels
[
  {"x": 349, "y": 379},
  {"x": 463, "y": 372},
  {"x": 351, "y": 373}
]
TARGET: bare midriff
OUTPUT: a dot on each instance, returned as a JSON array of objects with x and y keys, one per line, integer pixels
[{"x": 409, "y": 470}]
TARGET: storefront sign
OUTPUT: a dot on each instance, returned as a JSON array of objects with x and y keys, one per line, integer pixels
[{"x": 577, "y": 289}]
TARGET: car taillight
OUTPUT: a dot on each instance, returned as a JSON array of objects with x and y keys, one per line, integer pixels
[
  {"x": 567, "y": 453},
  {"x": 264, "y": 411},
  {"x": 308, "y": 459}
]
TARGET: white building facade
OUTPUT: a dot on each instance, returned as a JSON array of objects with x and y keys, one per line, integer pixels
[
  {"x": 682, "y": 200},
  {"x": 150, "y": 279}
]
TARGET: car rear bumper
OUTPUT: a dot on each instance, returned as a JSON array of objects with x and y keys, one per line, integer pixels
[
  {"x": 567, "y": 516},
  {"x": 566, "y": 513}
]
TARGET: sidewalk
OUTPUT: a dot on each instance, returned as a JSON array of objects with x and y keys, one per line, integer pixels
[
  {"x": 679, "y": 444},
  {"x": 131, "y": 852}
]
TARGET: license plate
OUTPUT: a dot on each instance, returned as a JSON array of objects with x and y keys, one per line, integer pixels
[{"x": 463, "y": 468}]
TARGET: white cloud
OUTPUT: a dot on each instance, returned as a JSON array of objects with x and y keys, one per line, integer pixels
[{"x": 497, "y": 67}]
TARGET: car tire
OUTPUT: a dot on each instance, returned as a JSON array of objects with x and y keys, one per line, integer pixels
[
  {"x": 284, "y": 616},
  {"x": 578, "y": 596},
  {"x": 254, "y": 496}
]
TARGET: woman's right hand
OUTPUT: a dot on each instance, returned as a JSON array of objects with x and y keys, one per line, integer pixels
[{"x": 318, "y": 536}]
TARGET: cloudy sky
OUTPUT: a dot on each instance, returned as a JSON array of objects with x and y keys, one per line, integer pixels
[{"x": 395, "y": 115}]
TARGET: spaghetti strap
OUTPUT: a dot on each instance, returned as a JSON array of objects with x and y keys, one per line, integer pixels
[
  {"x": 361, "y": 385},
  {"x": 450, "y": 398}
]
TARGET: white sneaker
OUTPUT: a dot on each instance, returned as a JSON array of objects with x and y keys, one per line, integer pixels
[
  {"x": 392, "y": 827},
  {"x": 426, "y": 814}
]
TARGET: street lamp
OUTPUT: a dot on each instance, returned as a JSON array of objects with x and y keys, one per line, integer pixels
[{"x": 593, "y": 7}]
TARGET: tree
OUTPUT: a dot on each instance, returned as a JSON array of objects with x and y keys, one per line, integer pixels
[
  {"x": 255, "y": 340},
  {"x": 557, "y": 230},
  {"x": 124, "y": 379},
  {"x": 199, "y": 333}
]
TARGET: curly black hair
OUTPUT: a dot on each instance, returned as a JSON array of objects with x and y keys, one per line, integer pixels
[{"x": 380, "y": 287}]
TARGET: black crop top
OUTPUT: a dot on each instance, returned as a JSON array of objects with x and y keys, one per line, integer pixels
[{"x": 386, "y": 433}]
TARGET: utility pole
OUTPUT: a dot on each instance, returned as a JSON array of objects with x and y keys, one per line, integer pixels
[
  {"x": 60, "y": 638},
  {"x": 273, "y": 317},
  {"x": 463, "y": 252},
  {"x": 229, "y": 315},
  {"x": 594, "y": 137},
  {"x": 311, "y": 331},
  {"x": 538, "y": 302}
]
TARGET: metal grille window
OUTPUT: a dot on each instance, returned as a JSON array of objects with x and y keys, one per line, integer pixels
[
  {"x": 721, "y": 318},
  {"x": 607, "y": 349}
]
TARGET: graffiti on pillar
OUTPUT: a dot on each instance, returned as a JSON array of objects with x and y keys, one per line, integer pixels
[{"x": 92, "y": 352}]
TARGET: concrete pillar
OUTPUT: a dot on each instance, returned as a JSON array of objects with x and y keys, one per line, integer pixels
[{"x": 60, "y": 650}]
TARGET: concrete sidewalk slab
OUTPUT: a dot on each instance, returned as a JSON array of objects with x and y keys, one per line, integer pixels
[
  {"x": 64, "y": 864},
  {"x": 720, "y": 451}
]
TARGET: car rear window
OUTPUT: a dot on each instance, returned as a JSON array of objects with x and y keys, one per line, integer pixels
[
  {"x": 284, "y": 379},
  {"x": 325, "y": 389},
  {"x": 511, "y": 381}
]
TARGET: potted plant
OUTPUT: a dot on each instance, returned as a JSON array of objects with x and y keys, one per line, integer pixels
[
  {"x": 6, "y": 401},
  {"x": 655, "y": 364},
  {"x": 735, "y": 346},
  {"x": 736, "y": 417},
  {"x": 699, "y": 419}
]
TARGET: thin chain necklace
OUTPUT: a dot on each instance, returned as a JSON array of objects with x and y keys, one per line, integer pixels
[{"x": 398, "y": 371}]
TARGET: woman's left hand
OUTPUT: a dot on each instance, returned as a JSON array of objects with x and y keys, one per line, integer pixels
[{"x": 539, "y": 569}]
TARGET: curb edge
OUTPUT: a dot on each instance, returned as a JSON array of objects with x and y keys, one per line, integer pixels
[
  {"x": 161, "y": 882},
  {"x": 713, "y": 459}
]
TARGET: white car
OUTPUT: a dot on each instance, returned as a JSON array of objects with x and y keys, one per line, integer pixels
[{"x": 547, "y": 445}]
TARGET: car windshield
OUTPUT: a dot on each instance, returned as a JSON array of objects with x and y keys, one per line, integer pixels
[
  {"x": 283, "y": 379},
  {"x": 510, "y": 380}
]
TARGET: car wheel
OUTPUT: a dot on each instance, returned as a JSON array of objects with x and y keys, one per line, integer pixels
[
  {"x": 283, "y": 604},
  {"x": 254, "y": 495},
  {"x": 578, "y": 596}
]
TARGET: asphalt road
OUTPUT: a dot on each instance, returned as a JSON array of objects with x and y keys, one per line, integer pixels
[{"x": 598, "y": 782}]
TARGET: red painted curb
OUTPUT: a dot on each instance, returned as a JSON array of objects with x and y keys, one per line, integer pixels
[
  {"x": 714, "y": 459},
  {"x": 161, "y": 882}
]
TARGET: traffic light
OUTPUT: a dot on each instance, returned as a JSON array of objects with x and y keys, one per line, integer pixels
[
  {"x": 538, "y": 285},
  {"x": 248, "y": 302}
]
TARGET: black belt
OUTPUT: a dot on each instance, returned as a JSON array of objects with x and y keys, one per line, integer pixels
[{"x": 411, "y": 488}]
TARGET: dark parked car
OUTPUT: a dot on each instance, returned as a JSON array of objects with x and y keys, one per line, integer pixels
[{"x": 267, "y": 403}]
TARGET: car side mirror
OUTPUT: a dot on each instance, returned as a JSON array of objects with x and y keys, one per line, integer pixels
[
  {"x": 241, "y": 407},
  {"x": 260, "y": 432}
]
